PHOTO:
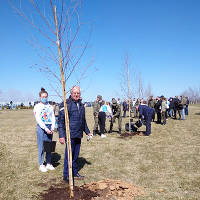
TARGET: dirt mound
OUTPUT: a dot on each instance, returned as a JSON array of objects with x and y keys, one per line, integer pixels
[
  {"x": 101, "y": 190},
  {"x": 127, "y": 134}
]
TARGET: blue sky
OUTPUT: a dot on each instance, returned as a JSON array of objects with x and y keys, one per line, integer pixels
[{"x": 161, "y": 37}]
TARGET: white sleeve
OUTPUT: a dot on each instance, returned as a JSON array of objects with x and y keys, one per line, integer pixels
[
  {"x": 101, "y": 109},
  {"x": 37, "y": 117}
]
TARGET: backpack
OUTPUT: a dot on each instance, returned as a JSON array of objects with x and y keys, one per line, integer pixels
[
  {"x": 180, "y": 106},
  {"x": 133, "y": 128}
]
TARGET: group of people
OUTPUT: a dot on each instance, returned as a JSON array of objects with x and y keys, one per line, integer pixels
[
  {"x": 103, "y": 110},
  {"x": 168, "y": 107},
  {"x": 46, "y": 121},
  {"x": 145, "y": 111}
]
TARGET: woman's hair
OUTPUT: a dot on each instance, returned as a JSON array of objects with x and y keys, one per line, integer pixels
[{"x": 43, "y": 91}]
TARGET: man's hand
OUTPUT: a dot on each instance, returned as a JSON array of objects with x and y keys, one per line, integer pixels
[
  {"x": 62, "y": 140},
  {"x": 89, "y": 136}
]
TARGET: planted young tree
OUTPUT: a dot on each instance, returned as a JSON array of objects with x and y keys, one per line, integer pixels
[
  {"x": 148, "y": 91},
  {"x": 59, "y": 47},
  {"x": 126, "y": 83},
  {"x": 140, "y": 87}
]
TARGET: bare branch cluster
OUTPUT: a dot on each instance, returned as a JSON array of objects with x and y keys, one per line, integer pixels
[
  {"x": 40, "y": 15},
  {"x": 193, "y": 94}
]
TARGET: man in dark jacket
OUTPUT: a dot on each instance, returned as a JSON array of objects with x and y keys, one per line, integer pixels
[
  {"x": 176, "y": 107},
  {"x": 125, "y": 107},
  {"x": 77, "y": 124},
  {"x": 146, "y": 113},
  {"x": 158, "y": 109}
]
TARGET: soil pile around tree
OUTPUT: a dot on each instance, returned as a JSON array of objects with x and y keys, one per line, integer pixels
[
  {"x": 129, "y": 134},
  {"x": 102, "y": 190}
]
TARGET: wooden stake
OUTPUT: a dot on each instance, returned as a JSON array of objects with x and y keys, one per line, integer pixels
[
  {"x": 129, "y": 99},
  {"x": 66, "y": 114}
]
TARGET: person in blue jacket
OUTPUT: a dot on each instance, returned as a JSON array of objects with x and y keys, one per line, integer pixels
[
  {"x": 77, "y": 124},
  {"x": 146, "y": 113}
]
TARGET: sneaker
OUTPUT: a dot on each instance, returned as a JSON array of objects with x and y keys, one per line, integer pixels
[
  {"x": 78, "y": 176},
  {"x": 50, "y": 167},
  {"x": 42, "y": 168},
  {"x": 103, "y": 136}
]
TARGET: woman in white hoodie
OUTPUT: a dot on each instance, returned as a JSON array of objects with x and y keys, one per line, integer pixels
[{"x": 45, "y": 118}]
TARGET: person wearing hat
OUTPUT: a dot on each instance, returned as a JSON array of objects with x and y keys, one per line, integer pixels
[
  {"x": 145, "y": 114},
  {"x": 116, "y": 110},
  {"x": 96, "y": 107}
]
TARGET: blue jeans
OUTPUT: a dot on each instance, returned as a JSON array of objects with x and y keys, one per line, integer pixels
[
  {"x": 183, "y": 113},
  {"x": 56, "y": 123},
  {"x": 124, "y": 115},
  {"x": 41, "y": 137},
  {"x": 75, "y": 146},
  {"x": 170, "y": 112}
]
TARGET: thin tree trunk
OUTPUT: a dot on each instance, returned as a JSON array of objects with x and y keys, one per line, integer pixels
[
  {"x": 129, "y": 101},
  {"x": 66, "y": 114}
]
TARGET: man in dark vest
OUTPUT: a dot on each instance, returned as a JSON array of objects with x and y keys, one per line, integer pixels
[
  {"x": 77, "y": 124},
  {"x": 145, "y": 114}
]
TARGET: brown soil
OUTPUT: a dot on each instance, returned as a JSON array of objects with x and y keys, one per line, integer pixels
[
  {"x": 127, "y": 134},
  {"x": 101, "y": 190}
]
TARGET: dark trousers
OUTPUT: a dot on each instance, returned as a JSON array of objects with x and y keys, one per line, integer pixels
[
  {"x": 166, "y": 113},
  {"x": 179, "y": 113},
  {"x": 158, "y": 117},
  {"x": 102, "y": 121},
  {"x": 153, "y": 115},
  {"x": 186, "y": 110},
  {"x": 75, "y": 146},
  {"x": 148, "y": 123},
  {"x": 124, "y": 115}
]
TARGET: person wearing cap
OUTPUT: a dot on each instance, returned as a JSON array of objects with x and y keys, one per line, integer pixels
[
  {"x": 145, "y": 114},
  {"x": 96, "y": 107},
  {"x": 116, "y": 110}
]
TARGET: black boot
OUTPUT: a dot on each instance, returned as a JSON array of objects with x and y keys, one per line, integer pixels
[
  {"x": 94, "y": 132},
  {"x": 120, "y": 131}
]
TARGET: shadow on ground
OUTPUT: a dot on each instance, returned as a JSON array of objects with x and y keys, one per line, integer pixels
[
  {"x": 81, "y": 163},
  {"x": 55, "y": 158}
]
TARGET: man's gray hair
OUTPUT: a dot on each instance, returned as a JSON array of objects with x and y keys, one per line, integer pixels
[{"x": 75, "y": 86}]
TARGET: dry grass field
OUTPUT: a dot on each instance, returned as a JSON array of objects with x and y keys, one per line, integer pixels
[{"x": 166, "y": 164}]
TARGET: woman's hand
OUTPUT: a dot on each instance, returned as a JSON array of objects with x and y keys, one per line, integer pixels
[{"x": 48, "y": 131}]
